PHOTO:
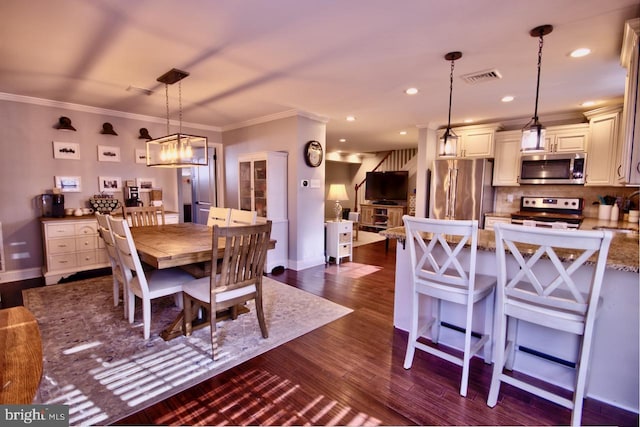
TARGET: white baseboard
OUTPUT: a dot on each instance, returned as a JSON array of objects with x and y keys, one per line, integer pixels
[{"x": 17, "y": 275}]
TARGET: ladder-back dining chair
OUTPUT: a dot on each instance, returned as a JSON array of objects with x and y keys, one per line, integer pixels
[
  {"x": 238, "y": 279},
  {"x": 441, "y": 271},
  {"x": 241, "y": 217},
  {"x": 146, "y": 285},
  {"x": 142, "y": 216},
  {"x": 542, "y": 288},
  {"x": 104, "y": 230},
  {"x": 218, "y": 216}
]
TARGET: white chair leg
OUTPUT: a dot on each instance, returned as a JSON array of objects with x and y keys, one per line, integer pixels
[
  {"x": 512, "y": 337},
  {"x": 488, "y": 326},
  {"x": 435, "y": 327},
  {"x": 500, "y": 332},
  {"x": 178, "y": 301},
  {"x": 413, "y": 332},
  {"x": 466, "y": 357},
  {"x": 116, "y": 292},
  {"x": 131, "y": 305},
  {"x": 146, "y": 317}
]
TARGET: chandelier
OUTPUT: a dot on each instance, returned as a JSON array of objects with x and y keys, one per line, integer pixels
[
  {"x": 449, "y": 141},
  {"x": 533, "y": 134},
  {"x": 176, "y": 150}
]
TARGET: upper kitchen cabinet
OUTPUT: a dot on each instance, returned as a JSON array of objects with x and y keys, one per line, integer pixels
[
  {"x": 507, "y": 158},
  {"x": 474, "y": 141},
  {"x": 567, "y": 138},
  {"x": 628, "y": 161},
  {"x": 603, "y": 149}
]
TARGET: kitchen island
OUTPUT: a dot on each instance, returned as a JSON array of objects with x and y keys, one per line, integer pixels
[{"x": 614, "y": 370}]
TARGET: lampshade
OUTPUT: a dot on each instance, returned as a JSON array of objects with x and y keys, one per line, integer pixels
[
  {"x": 533, "y": 134},
  {"x": 337, "y": 192},
  {"x": 176, "y": 150}
]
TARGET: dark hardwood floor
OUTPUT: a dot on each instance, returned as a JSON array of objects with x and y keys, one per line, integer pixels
[{"x": 350, "y": 372}]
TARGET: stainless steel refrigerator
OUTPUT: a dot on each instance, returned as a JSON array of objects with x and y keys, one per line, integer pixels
[{"x": 461, "y": 189}]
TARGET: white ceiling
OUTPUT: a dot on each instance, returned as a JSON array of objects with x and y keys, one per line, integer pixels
[{"x": 250, "y": 59}]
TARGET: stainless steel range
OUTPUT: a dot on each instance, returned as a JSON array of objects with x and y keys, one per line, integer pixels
[{"x": 547, "y": 211}]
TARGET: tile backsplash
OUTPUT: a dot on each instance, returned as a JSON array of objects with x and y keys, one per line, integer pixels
[{"x": 589, "y": 194}]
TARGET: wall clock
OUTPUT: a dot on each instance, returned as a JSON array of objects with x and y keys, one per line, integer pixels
[{"x": 313, "y": 154}]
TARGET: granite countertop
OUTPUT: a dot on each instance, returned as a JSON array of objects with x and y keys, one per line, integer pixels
[{"x": 623, "y": 252}]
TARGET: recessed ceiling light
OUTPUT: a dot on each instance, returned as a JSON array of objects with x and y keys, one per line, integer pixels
[
  {"x": 468, "y": 120},
  {"x": 507, "y": 98},
  {"x": 579, "y": 53},
  {"x": 403, "y": 132},
  {"x": 588, "y": 103},
  {"x": 342, "y": 140},
  {"x": 411, "y": 91},
  {"x": 351, "y": 119}
]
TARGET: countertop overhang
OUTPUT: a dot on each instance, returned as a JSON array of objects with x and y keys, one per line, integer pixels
[{"x": 623, "y": 252}]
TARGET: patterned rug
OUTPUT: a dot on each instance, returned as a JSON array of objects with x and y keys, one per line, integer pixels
[{"x": 100, "y": 365}]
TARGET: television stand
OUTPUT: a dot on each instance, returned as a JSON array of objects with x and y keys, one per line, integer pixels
[{"x": 381, "y": 216}]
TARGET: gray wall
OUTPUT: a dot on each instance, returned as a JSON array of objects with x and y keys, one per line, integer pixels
[{"x": 27, "y": 167}]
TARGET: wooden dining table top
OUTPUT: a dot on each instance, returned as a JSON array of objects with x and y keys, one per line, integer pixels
[{"x": 173, "y": 245}]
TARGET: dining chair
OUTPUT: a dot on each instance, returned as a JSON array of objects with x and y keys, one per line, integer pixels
[
  {"x": 540, "y": 288},
  {"x": 241, "y": 217},
  {"x": 146, "y": 285},
  {"x": 238, "y": 279},
  {"x": 104, "y": 230},
  {"x": 142, "y": 216},
  {"x": 218, "y": 216},
  {"x": 441, "y": 271}
]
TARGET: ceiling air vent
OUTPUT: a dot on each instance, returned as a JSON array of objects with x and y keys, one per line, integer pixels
[{"x": 481, "y": 76}]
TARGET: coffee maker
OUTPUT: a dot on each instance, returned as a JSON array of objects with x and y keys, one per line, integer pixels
[
  {"x": 132, "y": 196},
  {"x": 52, "y": 205}
]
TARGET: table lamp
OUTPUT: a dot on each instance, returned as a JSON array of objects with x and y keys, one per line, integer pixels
[{"x": 337, "y": 192}]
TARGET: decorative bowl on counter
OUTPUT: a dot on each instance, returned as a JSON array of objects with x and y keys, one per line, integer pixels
[{"x": 104, "y": 205}]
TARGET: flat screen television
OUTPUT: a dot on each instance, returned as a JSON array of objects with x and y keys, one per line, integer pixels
[{"x": 390, "y": 186}]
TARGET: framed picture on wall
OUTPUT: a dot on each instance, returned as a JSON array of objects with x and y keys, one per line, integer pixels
[
  {"x": 145, "y": 184},
  {"x": 141, "y": 155},
  {"x": 68, "y": 184},
  {"x": 108, "y": 153},
  {"x": 109, "y": 184},
  {"x": 66, "y": 150}
]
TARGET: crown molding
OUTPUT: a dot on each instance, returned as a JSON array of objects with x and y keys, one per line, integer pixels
[{"x": 102, "y": 111}]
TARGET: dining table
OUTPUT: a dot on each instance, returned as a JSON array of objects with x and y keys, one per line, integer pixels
[{"x": 186, "y": 245}]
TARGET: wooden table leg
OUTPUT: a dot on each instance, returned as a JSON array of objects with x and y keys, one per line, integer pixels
[{"x": 175, "y": 329}]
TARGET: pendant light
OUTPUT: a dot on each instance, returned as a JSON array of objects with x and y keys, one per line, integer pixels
[
  {"x": 449, "y": 141},
  {"x": 533, "y": 134},
  {"x": 178, "y": 150}
]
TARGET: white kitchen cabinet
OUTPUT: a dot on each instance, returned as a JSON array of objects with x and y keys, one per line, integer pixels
[
  {"x": 262, "y": 187},
  {"x": 567, "y": 138},
  {"x": 507, "y": 158},
  {"x": 71, "y": 245},
  {"x": 490, "y": 220},
  {"x": 474, "y": 141},
  {"x": 628, "y": 161},
  {"x": 602, "y": 152},
  {"x": 339, "y": 240}
]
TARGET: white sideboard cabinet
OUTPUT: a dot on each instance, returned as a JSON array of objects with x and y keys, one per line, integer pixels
[{"x": 70, "y": 245}]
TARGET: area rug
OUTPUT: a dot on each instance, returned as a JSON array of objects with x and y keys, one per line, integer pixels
[
  {"x": 366, "y": 237},
  {"x": 100, "y": 365}
]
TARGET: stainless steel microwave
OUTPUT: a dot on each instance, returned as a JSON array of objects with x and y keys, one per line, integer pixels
[{"x": 552, "y": 168}]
